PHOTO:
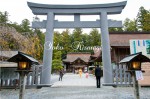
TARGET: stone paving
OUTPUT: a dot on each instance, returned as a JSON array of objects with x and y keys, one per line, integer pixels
[{"x": 74, "y": 87}]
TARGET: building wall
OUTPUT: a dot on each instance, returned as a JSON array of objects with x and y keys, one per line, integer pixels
[
  {"x": 122, "y": 39},
  {"x": 118, "y": 54},
  {"x": 121, "y": 47}
]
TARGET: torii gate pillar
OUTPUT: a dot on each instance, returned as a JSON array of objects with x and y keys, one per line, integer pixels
[
  {"x": 48, "y": 50},
  {"x": 106, "y": 57},
  {"x": 96, "y": 9}
]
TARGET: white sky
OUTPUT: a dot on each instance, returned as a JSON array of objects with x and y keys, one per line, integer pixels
[{"x": 18, "y": 9}]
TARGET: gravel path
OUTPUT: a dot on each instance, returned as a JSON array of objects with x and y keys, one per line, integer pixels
[{"x": 74, "y": 87}]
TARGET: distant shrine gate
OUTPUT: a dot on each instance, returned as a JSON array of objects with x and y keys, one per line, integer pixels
[{"x": 94, "y": 9}]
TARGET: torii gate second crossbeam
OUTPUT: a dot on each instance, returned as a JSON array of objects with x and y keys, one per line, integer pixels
[{"x": 94, "y": 9}]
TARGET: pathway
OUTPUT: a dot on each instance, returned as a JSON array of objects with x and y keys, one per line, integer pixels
[{"x": 74, "y": 87}]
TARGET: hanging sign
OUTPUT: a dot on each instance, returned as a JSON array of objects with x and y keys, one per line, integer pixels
[{"x": 139, "y": 75}]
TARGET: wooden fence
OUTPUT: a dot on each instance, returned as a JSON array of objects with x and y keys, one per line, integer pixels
[
  {"x": 32, "y": 79},
  {"x": 121, "y": 77}
]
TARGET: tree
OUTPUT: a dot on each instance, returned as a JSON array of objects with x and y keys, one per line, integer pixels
[
  {"x": 57, "y": 55},
  {"x": 85, "y": 39},
  {"x": 76, "y": 39},
  {"x": 57, "y": 38},
  {"x": 77, "y": 34},
  {"x": 95, "y": 38},
  {"x": 25, "y": 25},
  {"x": 146, "y": 26},
  {"x": 115, "y": 29},
  {"x": 57, "y": 42},
  {"x": 16, "y": 26},
  {"x": 130, "y": 25},
  {"x": 4, "y": 17},
  {"x": 57, "y": 63},
  {"x": 143, "y": 19},
  {"x": 66, "y": 42}
]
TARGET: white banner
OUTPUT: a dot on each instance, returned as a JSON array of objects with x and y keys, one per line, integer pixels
[
  {"x": 139, "y": 75},
  {"x": 140, "y": 46}
]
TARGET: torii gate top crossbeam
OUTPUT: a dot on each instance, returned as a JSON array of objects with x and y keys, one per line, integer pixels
[{"x": 90, "y": 9}]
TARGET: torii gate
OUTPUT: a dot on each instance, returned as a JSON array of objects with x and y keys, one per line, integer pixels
[{"x": 94, "y": 9}]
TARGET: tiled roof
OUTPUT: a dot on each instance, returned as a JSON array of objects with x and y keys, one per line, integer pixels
[
  {"x": 135, "y": 57},
  {"x": 71, "y": 57},
  {"x": 23, "y": 57},
  {"x": 97, "y": 52}
]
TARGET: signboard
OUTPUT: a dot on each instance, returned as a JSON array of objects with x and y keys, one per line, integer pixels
[
  {"x": 139, "y": 75},
  {"x": 140, "y": 46}
]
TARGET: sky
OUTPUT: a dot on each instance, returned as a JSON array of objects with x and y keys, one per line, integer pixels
[{"x": 18, "y": 9}]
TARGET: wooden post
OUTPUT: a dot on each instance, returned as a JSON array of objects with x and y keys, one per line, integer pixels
[
  {"x": 33, "y": 75},
  {"x": 36, "y": 74},
  {"x": 11, "y": 82},
  {"x": 22, "y": 85},
  {"x": 124, "y": 73},
  {"x": 129, "y": 76},
  {"x": 28, "y": 79},
  {"x": 120, "y": 73},
  {"x": 136, "y": 86},
  {"x": 1, "y": 84},
  {"x": 117, "y": 77}
]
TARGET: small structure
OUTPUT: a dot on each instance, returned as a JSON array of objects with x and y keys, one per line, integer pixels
[
  {"x": 24, "y": 62},
  {"x": 120, "y": 48},
  {"x": 133, "y": 63},
  {"x": 8, "y": 75},
  {"x": 77, "y": 60},
  {"x": 130, "y": 59},
  {"x": 23, "y": 59}
]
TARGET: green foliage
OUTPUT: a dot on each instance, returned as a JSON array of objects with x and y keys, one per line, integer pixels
[
  {"x": 77, "y": 34},
  {"x": 94, "y": 38},
  {"x": 115, "y": 29},
  {"x": 25, "y": 25},
  {"x": 130, "y": 25},
  {"x": 57, "y": 55},
  {"x": 32, "y": 41},
  {"x": 17, "y": 27},
  {"x": 143, "y": 19},
  {"x": 56, "y": 65},
  {"x": 21, "y": 37},
  {"x": 77, "y": 41},
  {"x": 4, "y": 17}
]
